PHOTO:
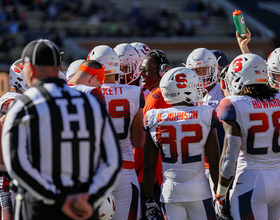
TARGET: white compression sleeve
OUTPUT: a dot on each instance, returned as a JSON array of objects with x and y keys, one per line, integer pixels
[{"x": 229, "y": 160}]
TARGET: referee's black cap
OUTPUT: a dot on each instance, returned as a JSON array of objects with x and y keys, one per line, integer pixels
[{"x": 41, "y": 52}]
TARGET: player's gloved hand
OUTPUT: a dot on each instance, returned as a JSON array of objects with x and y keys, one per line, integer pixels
[
  {"x": 220, "y": 207},
  {"x": 153, "y": 211}
]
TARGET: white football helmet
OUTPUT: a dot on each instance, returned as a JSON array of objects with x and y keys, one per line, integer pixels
[
  {"x": 108, "y": 57},
  {"x": 107, "y": 208},
  {"x": 143, "y": 49},
  {"x": 17, "y": 79},
  {"x": 273, "y": 67},
  {"x": 130, "y": 61},
  {"x": 204, "y": 63},
  {"x": 181, "y": 84},
  {"x": 73, "y": 68},
  {"x": 246, "y": 69}
]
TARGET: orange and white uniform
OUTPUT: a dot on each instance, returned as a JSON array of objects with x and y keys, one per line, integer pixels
[
  {"x": 256, "y": 191},
  {"x": 181, "y": 133},
  {"x": 123, "y": 102}
]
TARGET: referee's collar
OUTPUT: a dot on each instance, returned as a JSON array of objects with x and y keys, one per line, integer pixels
[{"x": 55, "y": 80}]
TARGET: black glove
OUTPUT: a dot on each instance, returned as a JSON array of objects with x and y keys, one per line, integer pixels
[
  {"x": 221, "y": 208},
  {"x": 153, "y": 211}
]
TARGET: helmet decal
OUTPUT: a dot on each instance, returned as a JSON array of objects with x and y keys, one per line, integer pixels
[
  {"x": 181, "y": 80},
  {"x": 142, "y": 49},
  {"x": 237, "y": 65},
  {"x": 145, "y": 50}
]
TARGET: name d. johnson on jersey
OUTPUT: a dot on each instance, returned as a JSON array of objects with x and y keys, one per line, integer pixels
[{"x": 177, "y": 116}]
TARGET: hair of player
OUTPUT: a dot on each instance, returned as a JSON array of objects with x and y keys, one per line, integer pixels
[
  {"x": 259, "y": 91},
  {"x": 92, "y": 64},
  {"x": 155, "y": 57}
]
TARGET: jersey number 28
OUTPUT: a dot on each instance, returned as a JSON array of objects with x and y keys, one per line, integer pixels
[{"x": 263, "y": 128}]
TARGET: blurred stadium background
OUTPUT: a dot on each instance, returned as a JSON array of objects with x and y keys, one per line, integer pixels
[{"x": 176, "y": 27}]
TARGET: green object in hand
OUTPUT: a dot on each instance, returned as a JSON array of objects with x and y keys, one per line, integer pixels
[{"x": 239, "y": 22}]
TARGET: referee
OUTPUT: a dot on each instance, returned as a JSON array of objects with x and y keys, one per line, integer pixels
[{"x": 58, "y": 143}]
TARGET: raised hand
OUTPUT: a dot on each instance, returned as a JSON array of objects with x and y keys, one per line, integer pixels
[{"x": 243, "y": 43}]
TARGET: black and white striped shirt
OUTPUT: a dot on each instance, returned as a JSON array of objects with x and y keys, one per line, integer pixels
[{"x": 56, "y": 137}]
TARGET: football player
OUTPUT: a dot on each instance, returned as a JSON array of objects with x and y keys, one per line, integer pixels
[
  {"x": 143, "y": 50},
  {"x": 251, "y": 149},
  {"x": 273, "y": 68},
  {"x": 204, "y": 63},
  {"x": 124, "y": 104},
  {"x": 19, "y": 83},
  {"x": 183, "y": 134},
  {"x": 130, "y": 61},
  {"x": 89, "y": 78},
  {"x": 152, "y": 69}
]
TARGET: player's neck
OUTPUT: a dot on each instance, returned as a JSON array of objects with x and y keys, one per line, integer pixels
[
  {"x": 153, "y": 87},
  {"x": 110, "y": 79},
  {"x": 18, "y": 91}
]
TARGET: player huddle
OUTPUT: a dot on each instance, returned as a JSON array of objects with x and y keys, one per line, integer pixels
[{"x": 199, "y": 141}]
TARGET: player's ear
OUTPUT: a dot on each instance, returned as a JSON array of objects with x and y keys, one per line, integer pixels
[
  {"x": 32, "y": 70},
  {"x": 91, "y": 79}
]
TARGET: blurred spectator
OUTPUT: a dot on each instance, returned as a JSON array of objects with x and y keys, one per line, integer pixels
[
  {"x": 3, "y": 14},
  {"x": 110, "y": 20},
  {"x": 52, "y": 11},
  {"x": 136, "y": 10},
  {"x": 13, "y": 27}
]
